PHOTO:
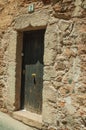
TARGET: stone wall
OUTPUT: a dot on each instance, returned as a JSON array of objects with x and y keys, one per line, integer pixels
[
  {"x": 64, "y": 74},
  {"x": 64, "y": 89}
]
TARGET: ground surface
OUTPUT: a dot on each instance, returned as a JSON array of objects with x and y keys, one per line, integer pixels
[{"x": 8, "y": 123}]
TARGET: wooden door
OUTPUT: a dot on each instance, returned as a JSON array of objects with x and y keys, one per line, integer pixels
[{"x": 32, "y": 70}]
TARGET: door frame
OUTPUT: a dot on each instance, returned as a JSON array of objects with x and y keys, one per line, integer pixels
[{"x": 19, "y": 55}]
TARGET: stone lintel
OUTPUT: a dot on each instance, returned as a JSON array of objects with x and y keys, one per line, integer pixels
[{"x": 35, "y": 20}]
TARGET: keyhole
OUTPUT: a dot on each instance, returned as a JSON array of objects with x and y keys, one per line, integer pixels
[
  {"x": 34, "y": 81},
  {"x": 34, "y": 78}
]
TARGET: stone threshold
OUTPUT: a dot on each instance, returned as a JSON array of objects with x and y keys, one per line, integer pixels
[{"x": 29, "y": 118}]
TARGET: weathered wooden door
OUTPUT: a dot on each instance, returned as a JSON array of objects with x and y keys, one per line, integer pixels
[{"x": 32, "y": 70}]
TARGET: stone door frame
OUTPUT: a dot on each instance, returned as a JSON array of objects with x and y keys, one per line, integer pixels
[
  {"x": 22, "y": 23},
  {"x": 25, "y": 22}
]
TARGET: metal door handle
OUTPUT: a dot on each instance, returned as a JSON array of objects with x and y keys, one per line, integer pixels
[{"x": 33, "y": 75}]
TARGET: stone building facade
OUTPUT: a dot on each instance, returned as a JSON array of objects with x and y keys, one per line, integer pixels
[{"x": 64, "y": 71}]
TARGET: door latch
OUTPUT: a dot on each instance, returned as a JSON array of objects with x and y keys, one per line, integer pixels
[{"x": 34, "y": 78}]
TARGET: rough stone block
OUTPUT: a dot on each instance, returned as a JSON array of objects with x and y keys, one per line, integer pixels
[{"x": 49, "y": 73}]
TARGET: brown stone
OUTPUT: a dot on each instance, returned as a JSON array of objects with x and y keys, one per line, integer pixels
[
  {"x": 65, "y": 16},
  {"x": 1, "y": 71},
  {"x": 83, "y": 66},
  {"x": 49, "y": 73},
  {"x": 82, "y": 88},
  {"x": 83, "y": 58},
  {"x": 69, "y": 53},
  {"x": 59, "y": 65},
  {"x": 81, "y": 48},
  {"x": 52, "y": 128},
  {"x": 5, "y": 22},
  {"x": 64, "y": 1},
  {"x": 57, "y": 8}
]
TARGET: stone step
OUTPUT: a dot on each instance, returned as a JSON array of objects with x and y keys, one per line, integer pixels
[{"x": 29, "y": 118}]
